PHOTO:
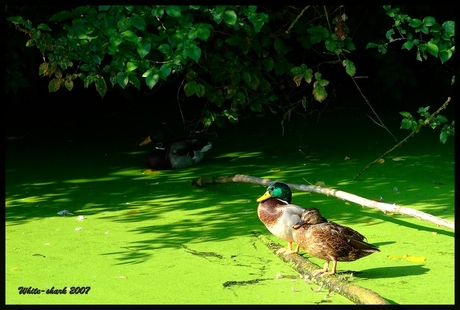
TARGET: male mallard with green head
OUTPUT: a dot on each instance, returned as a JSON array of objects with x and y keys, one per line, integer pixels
[
  {"x": 176, "y": 154},
  {"x": 329, "y": 241},
  {"x": 278, "y": 214}
]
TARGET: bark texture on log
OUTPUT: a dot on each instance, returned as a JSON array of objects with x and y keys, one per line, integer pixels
[{"x": 354, "y": 293}]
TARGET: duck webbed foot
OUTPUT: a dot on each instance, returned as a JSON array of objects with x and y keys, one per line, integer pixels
[
  {"x": 288, "y": 250},
  {"x": 325, "y": 271}
]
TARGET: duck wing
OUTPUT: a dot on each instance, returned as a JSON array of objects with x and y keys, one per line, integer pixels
[
  {"x": 343, "y": 237},
  {"x": 186, "y": 147}
]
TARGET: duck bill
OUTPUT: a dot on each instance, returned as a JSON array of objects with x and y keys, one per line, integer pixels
[
  {"x": 264, "y": 197},
  {"x": 146, "y": 141}
]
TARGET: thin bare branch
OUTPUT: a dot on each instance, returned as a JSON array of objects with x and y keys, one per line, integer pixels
[
  {"x": 384, "y": 207},
  {"x": 297, "y": 18},
  {"x": 427, "y": 121}
]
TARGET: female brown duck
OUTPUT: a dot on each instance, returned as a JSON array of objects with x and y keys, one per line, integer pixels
[{"x": 329, "y": 241}]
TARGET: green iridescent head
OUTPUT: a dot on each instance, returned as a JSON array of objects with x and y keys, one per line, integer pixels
[{"x": 277, "y": 190}]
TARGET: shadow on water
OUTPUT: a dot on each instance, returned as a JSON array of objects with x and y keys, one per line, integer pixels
[{"x": 98, "y": 171}]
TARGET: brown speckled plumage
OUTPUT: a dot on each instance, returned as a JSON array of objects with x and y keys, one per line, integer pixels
[{"x": 330, "y": 241}]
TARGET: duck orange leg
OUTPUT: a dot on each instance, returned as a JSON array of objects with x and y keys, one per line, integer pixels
[
  {"x": 289, "y": 250},
  {"x": 324, "y": 272}
]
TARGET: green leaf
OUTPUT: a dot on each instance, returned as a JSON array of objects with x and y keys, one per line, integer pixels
[
  {"x": 432, "y": 48},
  {"x": 157, "y": 12},
  {"x": 143, "y": 49},
  {"x": 246, "y": 77},
  {"x": 317, "y": 34},
  {"x": 97, "y": 59},
  {"x": 173, "y": 10},
  {"x": 389, "y": 33},
  {"x": 279, "y": 46},
  {"x": 308, "y": 75},
  {"x": 151, "y": 80},
  {"x": 406, "y": 124},
  {"x": 443, "y": 136},
  {"x": 115, "y": 40},
  {"x": 442, "y": 119},
  {"x": 130, "y": 66},
  {"x": 189, "y": 88},
  {"x": 138, "y": 22},
  {"x": 43, "y": 27},
  {"x": 449, "y": 27},
  {"x": 85, "y": 67},
  {"x": 124, "y": 24},
  {"x": 231, "y": 115},
  {"x": 43, "y": 68},
  {"x": 269, "y": 63},
  {"x": 318, "y": 76},
  {"x": 193, "y": 52},
  {"x": 199, "y": 90},
  {"x": 164, "y": 71},
  {"x": 191, "y": 75},
  {"x": 319, "y": 92},
  {"x": 445, "y": 55},
  {"x": 229, "y": 17},
  {"x": 101, "y": 86},
  {"x": 408, "y": 45},
  {"x": 279, "y": 68},
  {"x": 203, "y": 33},
  {"x": 349, "y": 67},
  {"x": 165, "y": 48},
  {"x": 59, "y": 17},
  {"x": 17, "y": 19},
  {"x": 415, "y": 23},
  {"x": 80, "y": 11},
  {"x": 135, "y": 81},
  {"x": 258, "y": 23},
  {"x": 436, "y": 28},
  {"x": 130, "y": 36},
  {"x": 68, "y": 83},
  {"x": 54, "y": 85},
  {"x": 424, "y": 29},
  {"x": 104, "y": 7},
  {"x": 429, "y": 21},
  {"x": 370, "y": 45},
  {"x": 406, "y": 114},
  {"x": 122, "y": 79},
  {"x": 233, "y": 40}
]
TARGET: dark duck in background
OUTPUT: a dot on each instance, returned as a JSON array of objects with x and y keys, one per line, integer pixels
[{"x": 176, "y": 154}]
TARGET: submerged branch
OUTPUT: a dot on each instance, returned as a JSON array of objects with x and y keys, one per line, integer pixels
[
  {"x": 354, "y": 293},
  {"x": 384, "y": 207}
]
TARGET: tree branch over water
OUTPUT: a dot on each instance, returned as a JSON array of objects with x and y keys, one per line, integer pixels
[{"x": 384, "y": 207}]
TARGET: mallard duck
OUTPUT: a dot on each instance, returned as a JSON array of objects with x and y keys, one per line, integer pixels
[
  {"x": 278, "y": 214},
  {"x": 176, "y": 154},
  {"x": 329, "y": 241}
]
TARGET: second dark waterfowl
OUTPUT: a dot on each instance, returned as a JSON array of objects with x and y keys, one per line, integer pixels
[
  {"x": 176, "y": 154},
  {"x": 329, "y": 241}
]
